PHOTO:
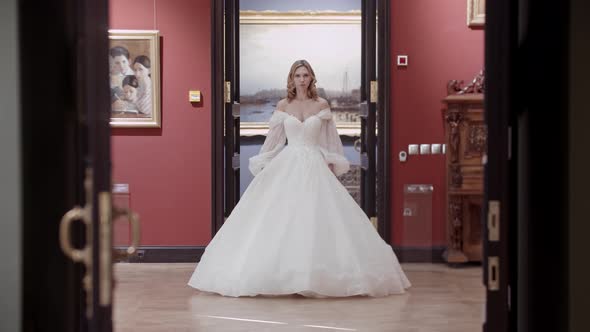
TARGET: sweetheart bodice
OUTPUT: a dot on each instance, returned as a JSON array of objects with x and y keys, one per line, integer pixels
[{"x": 304, "y": 132}]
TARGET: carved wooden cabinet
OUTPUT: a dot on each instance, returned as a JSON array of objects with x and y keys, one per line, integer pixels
[{"x": 466, "y": 137}]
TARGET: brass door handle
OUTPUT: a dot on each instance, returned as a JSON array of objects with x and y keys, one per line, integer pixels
[
  {"x": 76, "y": 255},
  {"x": 83, "y": 255}
]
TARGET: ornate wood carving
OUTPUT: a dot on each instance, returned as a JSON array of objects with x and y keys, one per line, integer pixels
[
  {"x": 454, "y": 119},
  {"x": 456, "y": 176},
  {"x": 465, "y": 138},
  {"x": 476, "y": 85},
  {"x": 476, "y": 140},
  {"x": 454, "y": 86},
  {"x": 456, "y": 218}
]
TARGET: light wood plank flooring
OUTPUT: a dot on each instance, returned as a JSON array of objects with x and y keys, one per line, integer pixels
[{"x": 155, "y": 297}]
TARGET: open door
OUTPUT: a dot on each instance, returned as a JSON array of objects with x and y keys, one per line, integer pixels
[
  {"x": 368, "y": 109},
  {"x": 232, "y": 104},
  {"x": 374, "y": 153},
  {"x": 375, "y": 74},
  {"x": 226, "y": 110},
  {"x": 93, "y": 208},
  {"x": 383, "y": 120},
  {"x": 527, "y": 175},
  {"x": 500, "y": 219},
  {"x": 67, "y": 230}
]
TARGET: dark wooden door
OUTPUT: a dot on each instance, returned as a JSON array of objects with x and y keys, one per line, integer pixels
[
  {"x": 368, "y": 107},
  {"x": 526, "y": 174},
  {"x": 94, "y": 97},
  {"x": 383, "y": 120},
  {"x": 498, "y": 207},
  {"x": 232, "y": 105},
  {"x": 66, "y": 166},
  {"x": 374, "y": 112},
  {"x": 226, "y": 110}
]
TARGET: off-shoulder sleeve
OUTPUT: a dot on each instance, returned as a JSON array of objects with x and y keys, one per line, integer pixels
[
  {"x": 331, "y": 144},
  {"x": 273, "y": 144}
]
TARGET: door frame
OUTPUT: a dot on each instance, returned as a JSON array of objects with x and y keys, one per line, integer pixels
[
  {"x": 384, "y": 139},
  {"x": 218, "y": 167},
  {"x": 217, "y": 117}
]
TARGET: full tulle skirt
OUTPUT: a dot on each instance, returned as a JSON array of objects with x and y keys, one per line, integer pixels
[{"x": 297, "y": 230}]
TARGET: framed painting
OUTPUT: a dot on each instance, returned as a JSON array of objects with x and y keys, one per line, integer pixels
[
  {"x": 266, "y": 54},
  {"x": 134, "y": 72},
  {"x": 476, "y": 13}
]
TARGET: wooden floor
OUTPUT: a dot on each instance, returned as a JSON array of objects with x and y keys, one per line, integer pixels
[{"x": 155, "y": 297}]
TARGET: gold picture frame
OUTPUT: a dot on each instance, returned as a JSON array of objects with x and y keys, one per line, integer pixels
[
  {"x": 134, "y": 72},
  {"x": 476, "y": 13}
]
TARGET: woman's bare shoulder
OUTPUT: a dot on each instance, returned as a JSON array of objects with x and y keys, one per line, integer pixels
[
  {"x": 323, "y": 103},
  {"x": 282, "y": 105}
]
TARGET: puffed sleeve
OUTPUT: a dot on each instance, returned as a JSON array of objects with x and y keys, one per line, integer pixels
[
  {"x": 331, "y": 144},
  {"x": 273, "y": 144}
]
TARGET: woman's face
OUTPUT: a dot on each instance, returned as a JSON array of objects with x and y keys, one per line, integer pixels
[
  {"x": 120, "y": 64},
  {"x": 130, "y": 93},
  {"x": 141, "y": 72},
  {"x": 302, "y": 77}
]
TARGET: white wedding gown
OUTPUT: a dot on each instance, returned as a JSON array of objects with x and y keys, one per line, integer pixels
[{"x": 296, "y": 229}]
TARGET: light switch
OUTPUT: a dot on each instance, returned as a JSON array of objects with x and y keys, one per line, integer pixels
[
  {"x": 413, "y": 149},
  {"x": 435, "y": 148},
  {"x": 120, "y": 188},
  {"x": 402, "y": 60},
  {"x": 424, "y": 148},
  {"x": 444, "y": 149},
  {"x": 194, "y": 96}
]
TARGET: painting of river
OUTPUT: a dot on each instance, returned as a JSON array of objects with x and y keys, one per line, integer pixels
[{"x": 271, "y": 41}]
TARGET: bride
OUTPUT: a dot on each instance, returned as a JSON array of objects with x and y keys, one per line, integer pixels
[{"x": 296, "y": 229}]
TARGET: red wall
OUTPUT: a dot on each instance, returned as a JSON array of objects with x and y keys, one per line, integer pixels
[
  {"x": 168, "y": 170},
  {"x": 440, "y": 47}
]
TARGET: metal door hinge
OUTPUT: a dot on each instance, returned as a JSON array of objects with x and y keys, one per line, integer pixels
[
  {"x": 235, "y": 162},
  {"x": 227, "y": 92},
  {"x": 494, "y": 220},
  {"x": 364, "y": 110},
  {"x": 375, "y": 223},
  {"x": 374, "y": 92},
  {"x": 235, "y": 110},
  {"x": 364, "y": 161}
]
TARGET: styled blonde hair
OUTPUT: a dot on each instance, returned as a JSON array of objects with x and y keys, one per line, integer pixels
[{"x": 312, "y": 91}]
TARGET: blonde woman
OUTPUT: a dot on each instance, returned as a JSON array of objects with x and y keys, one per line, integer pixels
[{"x": 296, "y": 229}]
